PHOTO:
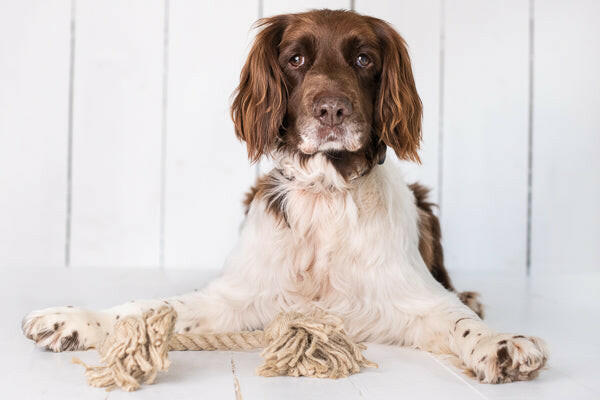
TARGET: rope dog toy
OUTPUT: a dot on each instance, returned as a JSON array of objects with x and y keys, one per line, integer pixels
[{"x": 313, "y": 345}]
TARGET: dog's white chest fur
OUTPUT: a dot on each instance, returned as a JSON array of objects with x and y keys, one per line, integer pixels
[
  {"x": 321, "y": 225},
  {"x": 326, "y": 233},
  {"x": 330, "y": 252}
]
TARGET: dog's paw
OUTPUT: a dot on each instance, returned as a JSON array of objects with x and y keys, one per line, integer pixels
[
  {"x": 506, "y": 358},
  {"x": 65, "y": 328}
]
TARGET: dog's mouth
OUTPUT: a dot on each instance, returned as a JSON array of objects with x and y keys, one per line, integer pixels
[
  {"x": 316, "y": 137},
  {"x": 331, "y": 134}
]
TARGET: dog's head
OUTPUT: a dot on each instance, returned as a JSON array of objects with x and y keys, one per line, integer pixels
[{"x": 327, "y": 81}]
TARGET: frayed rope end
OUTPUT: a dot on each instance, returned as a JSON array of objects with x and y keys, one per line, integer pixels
[
  {"x": 135, "y": 352},
  {"x": 313, "y": 345}
]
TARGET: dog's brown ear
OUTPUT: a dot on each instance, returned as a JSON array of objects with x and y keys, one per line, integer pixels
[
  {"x": 260, "y": 99},
  {"x": 398, "y": 109}
]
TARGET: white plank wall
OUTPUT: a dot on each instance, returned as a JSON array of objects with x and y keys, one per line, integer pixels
[
  {"x": 419, "y": 24},
  {"x": 484, "y": 188},
  {"x": 34, "y": 102},
  {"x": 157, "y": 175},
  {"x": 207, "y": 170},
  {"x": 274, "y": 7},
  {"x": 117, "y": 132},
  {"x": 566, "y": 140}
]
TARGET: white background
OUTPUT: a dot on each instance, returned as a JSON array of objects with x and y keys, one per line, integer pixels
[{"x": 116, "y": 147}]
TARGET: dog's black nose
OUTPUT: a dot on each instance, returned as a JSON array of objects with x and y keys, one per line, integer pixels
[{"x": 331, "y": 111}]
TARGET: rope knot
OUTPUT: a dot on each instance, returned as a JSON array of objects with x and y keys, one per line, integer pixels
[
  {"x": 136, "y": 351},
  {"x": 313, "y": 345}
]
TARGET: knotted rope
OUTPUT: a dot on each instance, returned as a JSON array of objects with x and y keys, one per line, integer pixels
[{"x": 295, "y": 344}]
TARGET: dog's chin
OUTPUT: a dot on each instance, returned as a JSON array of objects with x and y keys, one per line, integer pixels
[
  {"x": 311, "y": 147},
  {"x": 317, "y": 138},
  {"x": 317, "y": 143}
]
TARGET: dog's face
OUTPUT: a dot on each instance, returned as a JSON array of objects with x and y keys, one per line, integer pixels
[
  {"x": 330, "y": 66},
  {"x": 327, "y": 81}
]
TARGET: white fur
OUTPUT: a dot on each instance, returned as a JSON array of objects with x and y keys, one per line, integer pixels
[{"x": 350, "y": 248}]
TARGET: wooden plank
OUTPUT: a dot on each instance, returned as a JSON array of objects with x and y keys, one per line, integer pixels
[
  {"x": 566, "y": 139},
  {"x": 419, "y": 25},
  {"x": 117, "y": 133},
  {"x": 484, "y": 190},
  {"x": 410, "y": 372},
  {"x": 207, "y": 169},
  {"x": 34, "y": 102},
  {"x": 253, "y": 386}
]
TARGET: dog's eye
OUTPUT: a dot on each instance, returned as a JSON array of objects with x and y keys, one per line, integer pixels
[
  {"x": 296, "y": 61},
  {"x": 363, "y": 60}
]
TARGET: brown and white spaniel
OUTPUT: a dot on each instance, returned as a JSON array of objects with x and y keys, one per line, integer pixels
[{"x": 332, "y": 225}]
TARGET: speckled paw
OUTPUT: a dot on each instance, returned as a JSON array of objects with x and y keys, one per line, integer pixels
[
  {"x": 64, "y": 328},
  {"x": 507, "y": 358}
]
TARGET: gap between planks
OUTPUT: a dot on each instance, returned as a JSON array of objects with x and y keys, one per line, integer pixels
[{"x": 236, "y": 382}]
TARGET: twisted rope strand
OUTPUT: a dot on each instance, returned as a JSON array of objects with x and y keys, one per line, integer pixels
[{"x": 244, "y": 340}]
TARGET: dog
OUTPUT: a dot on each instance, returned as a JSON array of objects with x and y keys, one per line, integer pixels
[{"x": 332, "y": 226}]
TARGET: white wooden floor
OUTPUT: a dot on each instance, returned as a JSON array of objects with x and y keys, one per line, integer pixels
[{"x": 564, "y": 310}]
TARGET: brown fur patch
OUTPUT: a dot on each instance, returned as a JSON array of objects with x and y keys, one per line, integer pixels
[
  {"x": 354, "y": 164},
  {"x": 503, "y": 356},
  {"x": 44, "y": 334},
  {"x": 430, "y": 247},
  {"x": 70, "y": 342},
  {"x": 471, "y": 300},
  {"x": 250, "y": 195},
  {"x": 265, "y": 188},
  {"x": 430, "y": 236}
]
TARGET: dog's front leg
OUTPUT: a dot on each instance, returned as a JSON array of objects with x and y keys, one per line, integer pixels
[
  {"x": 491, "y": 357},
  {"x": 224, "y": 305}
]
